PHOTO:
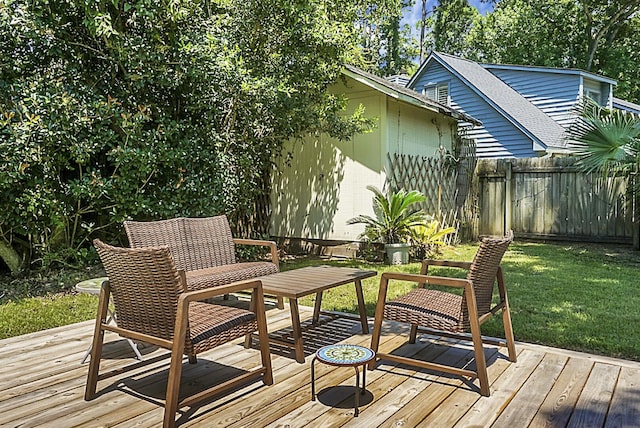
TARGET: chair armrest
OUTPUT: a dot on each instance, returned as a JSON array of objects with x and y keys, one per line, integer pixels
[
  {"x": 446, "y": 263},
  {"x": 261, "y": 242},
  {"x": 429, "y": 279},
  {"x": 208, "y": 293}
]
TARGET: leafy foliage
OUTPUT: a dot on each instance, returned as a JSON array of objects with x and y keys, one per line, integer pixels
[
  {"x": 427, "y": 238},
  {"x": 395, "y": 216},
  {"x": 610, "y": 140},
  {"x": 387, "y": 46},
  {"x": 115, "y": 109},
  {"x": 601, "y": 36}
]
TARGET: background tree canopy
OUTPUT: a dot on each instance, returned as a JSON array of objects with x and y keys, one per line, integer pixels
[
  {"x": 112, "y": 109},
  {"x": 601, "y": 36}
]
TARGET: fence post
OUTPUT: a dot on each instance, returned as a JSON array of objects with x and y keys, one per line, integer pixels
[
  {"x": 635, "y": 215},
  {"x": 508, "y": 199}
]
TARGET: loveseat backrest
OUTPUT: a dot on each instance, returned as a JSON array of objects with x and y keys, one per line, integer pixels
[
  {"x": 210, "y": 241},
  {"x": 195, "y": 243}
]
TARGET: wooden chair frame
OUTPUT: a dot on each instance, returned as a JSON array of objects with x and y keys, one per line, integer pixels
[
  {"x": 474, "y": 319},
  {"x": 177, "y": 346}
]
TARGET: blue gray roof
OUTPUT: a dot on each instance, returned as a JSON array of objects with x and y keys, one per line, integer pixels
[{"x": 514, "y": 107}]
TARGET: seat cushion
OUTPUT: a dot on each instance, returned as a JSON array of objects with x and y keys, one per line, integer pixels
[
  {"x": 427, "y": 308},
  {"x": 211, "y": 325},
  {"x": 226, "y": 274}
]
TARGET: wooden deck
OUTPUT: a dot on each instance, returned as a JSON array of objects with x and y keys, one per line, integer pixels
[{"x": 42, "y": 384}]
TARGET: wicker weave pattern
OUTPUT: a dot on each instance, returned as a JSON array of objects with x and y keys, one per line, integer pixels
[
  {"x": 159, "y": 233},
  {"x": 145, "y": 287},
  {"x": 210, "y": 242},
  {"x": 203, "y": 247},
  {"x": 212, "y": 325},
  {"x": 428, "y": 308},
  {"x": 195, "y": 243},
  {"x": 482, "y": 273},
  {"x": 220, "y": 275}
]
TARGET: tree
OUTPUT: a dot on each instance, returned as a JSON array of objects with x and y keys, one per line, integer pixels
[
  {"x": 452, "y": 25},
  {"x": 387, "y": 47},
  {"x": 603, "y": 20},
  {"x": 112, "y": 109},
  {"x": 536, "y": 32}
]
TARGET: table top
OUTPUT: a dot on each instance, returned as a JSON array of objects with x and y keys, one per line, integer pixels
[
  {"x": 343, "y": 354},
  {"x": 91, "y": 286},
  {"x": 301, "y": 282}
]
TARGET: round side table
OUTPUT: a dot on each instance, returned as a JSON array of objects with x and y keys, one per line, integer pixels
[
  {"x": 93, "y": 286},
  {"x": 344, "y": 355}
]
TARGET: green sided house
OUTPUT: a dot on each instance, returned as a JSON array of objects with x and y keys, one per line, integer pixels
[{"x": 323, "y": 182}]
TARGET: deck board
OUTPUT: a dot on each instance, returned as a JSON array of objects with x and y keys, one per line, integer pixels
[{"x": 42, "y": 384}]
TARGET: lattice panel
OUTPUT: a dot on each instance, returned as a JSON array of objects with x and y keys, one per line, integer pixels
[{"x": 438, "y": 179}]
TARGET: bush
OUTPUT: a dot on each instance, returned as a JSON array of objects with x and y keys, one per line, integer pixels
[{"x": 135, "y": 109}]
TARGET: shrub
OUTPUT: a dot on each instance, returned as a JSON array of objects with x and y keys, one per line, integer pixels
[{"x": 136, "y": 109}]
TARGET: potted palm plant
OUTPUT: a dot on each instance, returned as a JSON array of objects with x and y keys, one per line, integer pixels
[{"x": 395, "y": 217}]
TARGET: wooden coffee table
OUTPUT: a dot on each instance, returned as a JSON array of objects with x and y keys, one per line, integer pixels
[{"x": 297, "y": 283}]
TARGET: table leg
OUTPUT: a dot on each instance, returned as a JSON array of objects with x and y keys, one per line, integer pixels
[
  {"x": 361, "y": 307},
  {"x": 297, "y": 331},
  {"x": 316, "y": 307},
  {"x": 357, "y": 395},
  {"x": 313, "y": 379}
]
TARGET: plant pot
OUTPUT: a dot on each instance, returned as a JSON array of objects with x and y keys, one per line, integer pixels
[{"x": 397, "y": 254}]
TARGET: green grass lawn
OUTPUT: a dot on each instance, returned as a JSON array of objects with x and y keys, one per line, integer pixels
[{"x": 573, "y": 296}]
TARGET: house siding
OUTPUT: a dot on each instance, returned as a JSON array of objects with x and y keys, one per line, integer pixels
[
  {"x": 495, "y": 129},
  {"x": 406, "y": 130},
  {"x": 320, "y": 182},
  {"x": 554, "y": 94}
]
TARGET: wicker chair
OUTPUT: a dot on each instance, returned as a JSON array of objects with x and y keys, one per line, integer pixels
[
  {"x": 204, "y": 248},
  {"x": 152, "y": 306},
  {"x": 445, "y": 314}
]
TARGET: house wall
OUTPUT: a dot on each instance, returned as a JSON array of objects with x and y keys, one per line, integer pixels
[
  {"x": 497, "y": 137},
  {"x": 553, "y": 93},
  {"x": 320, "y": 182},
  {"x": 406, "y": 130}
]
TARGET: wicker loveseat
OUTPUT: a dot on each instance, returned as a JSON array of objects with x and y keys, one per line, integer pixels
[{"x": 204, "y": 248}]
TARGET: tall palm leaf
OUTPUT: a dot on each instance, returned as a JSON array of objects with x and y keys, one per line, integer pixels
[
  {"x": 609, "y": 140},
  {"x": 394, "y": 216}
]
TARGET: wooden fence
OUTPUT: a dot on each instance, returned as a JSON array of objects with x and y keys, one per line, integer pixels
[{"x": 551, "y": 198}]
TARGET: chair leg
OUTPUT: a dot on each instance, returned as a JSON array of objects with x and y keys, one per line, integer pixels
[
  {"x": 375, "y": 340},
  {"x": 94, "y": 365},
  {"x": 413, "y": 334},
  {"x": 481, "y": 362},
  {"x": 96, "y": 345},
  {"x": 173, "y": 388},
  {"x": 508, "y": 333},
  {"x": 193, "y": 359},
  {"x": 263, "y": 335}
]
